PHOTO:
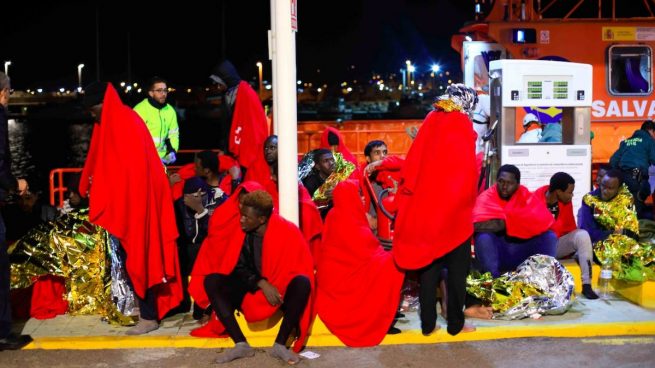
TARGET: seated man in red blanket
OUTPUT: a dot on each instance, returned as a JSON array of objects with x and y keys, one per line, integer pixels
[
  {"x": 263, "y": 266},
  {"x": 383, "y": 172},
  {"x": 510, "y": 225},
  {"x": 358, "y": 282}
]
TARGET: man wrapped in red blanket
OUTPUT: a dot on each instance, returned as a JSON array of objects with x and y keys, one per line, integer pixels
[
  {"x": 358, "y": 282},
  {"x": 510, "y": 225},
  {"x": 129, "y": 196},
  {"x": 255, "y": 261}
]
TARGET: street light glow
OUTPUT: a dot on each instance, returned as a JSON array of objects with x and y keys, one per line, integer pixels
[
  {"x": 412, "y": 69},
  {"x": 7, "y": 63},
  {"x": 435, "y": 67}
]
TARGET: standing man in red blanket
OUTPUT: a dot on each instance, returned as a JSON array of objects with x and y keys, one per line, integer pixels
[
  {"x": 245, "y": 127},
  {"x": 557, "y": 197},
  {"x": 434, "y": 224},
  {"x": 510, "y": 225},
  {"x": 129, "y": 196}
]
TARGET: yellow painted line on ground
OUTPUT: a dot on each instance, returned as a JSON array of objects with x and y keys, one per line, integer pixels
[
  {"x": 621, "y": 341},
  {"x": 324, "y": 339}
]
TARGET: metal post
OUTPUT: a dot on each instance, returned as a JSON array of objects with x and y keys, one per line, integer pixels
[
  {"x": 79, "y": 76},
  {"x": 285, "y": 114}
]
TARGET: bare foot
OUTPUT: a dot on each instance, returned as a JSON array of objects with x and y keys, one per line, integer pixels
[
  {"x": 240, "y": 350},
  {"x": 204, "y": 319},
  {"x": 281, "y": 352},
  {"x": 468, "y": 328},
  {"x": 479, "y": 311}
]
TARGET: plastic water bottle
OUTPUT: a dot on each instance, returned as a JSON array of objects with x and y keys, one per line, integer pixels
[{"x": 605, "y": 279}]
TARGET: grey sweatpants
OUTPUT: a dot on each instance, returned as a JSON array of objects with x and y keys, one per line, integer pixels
[{"x": 577, "y": 242}]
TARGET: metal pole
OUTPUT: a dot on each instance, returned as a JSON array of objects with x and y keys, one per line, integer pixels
[
  {"x": 271, "y": 57},
  {"x": 261, "y": 82},
  {"x": 79, "y": 76},
  {"x": 98, "y": 42},
  {"x": 7, "y": 63},
  {"x": 285, "y": 114}
]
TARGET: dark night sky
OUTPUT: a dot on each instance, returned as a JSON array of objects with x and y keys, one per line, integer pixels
[{"x": 46, "y": 42}]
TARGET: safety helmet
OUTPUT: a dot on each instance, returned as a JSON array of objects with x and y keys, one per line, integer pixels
[{"x": 529, "y": 118}]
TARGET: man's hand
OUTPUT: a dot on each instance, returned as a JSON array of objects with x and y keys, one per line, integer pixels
[
  {"x": 368, "y": 170},
  {"x": 174, "y": 178},
  {"x": 23, "y": 187},
  {"x": 235, "y": 172},
  {"x": 271, "y": 293},
  {"x": 194, "y": 201}
]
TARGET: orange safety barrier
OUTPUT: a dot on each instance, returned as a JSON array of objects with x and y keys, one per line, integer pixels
[{"x": 356, "y": 133}]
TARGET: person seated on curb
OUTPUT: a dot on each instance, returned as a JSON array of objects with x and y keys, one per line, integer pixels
[
  {"x": 557, "y": 197},
  {"x": 383, "y": 172},
  {"x": 192, "y": 213},
  {"x": 613, "y": 200},
  {"x": 260, "y": 267},
  {"x": 510, "y": 225},
  {"x": 358, "y": 283}
]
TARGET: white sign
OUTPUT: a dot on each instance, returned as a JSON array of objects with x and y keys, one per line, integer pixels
[{"x": 538, "y": 163}]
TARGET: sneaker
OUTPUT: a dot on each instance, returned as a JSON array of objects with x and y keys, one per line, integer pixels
[
  {"x": 14, "y": 342},
  {"x": 143, "y": 327}
]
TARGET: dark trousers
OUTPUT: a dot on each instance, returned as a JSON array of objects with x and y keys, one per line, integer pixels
[
  {"x": 227, "y": 292},
  {"x": 639, "y": 187},
  {"x": 457, "y": 262},
  {"x": 5, "y": 305},
  {"x": 147, "y": 304},
  {"x": 498, "y": 254}
]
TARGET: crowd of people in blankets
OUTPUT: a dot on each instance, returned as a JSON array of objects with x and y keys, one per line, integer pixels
[{"x": 231, "y": 250}]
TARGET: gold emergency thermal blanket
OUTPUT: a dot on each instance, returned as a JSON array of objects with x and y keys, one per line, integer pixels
[{"x": 73, "y": 248}]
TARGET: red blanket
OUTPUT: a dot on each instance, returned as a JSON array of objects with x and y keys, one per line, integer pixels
[
  {"x": 249, "y": 126},
  {"x": 189, "y": 170},
  {"x": 311, "y": 223},
  {"x": 437, "y": 191},
  {"x": 285, "y": 255},
  {"x": 565, "y": 222},
  {"x": 387, "y": 175},
  {"x": 525, "y": 217},
  {"x": 343, "y": 149},
  {"x": 130, "y": 197},
  {"x": 358, "y": 284}
]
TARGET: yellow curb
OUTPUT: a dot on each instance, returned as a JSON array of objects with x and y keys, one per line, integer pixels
[{"x": 317, "y": 340}]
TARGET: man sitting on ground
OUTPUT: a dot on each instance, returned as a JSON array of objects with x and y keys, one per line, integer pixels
[
  {"x": 557, "y": 197},
  {"x": 260, "y": 268},
  {"x": 510, "y": 225},
  {"x": 609, "y": 210}
]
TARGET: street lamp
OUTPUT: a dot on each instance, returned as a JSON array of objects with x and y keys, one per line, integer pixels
[
  {"x": 409, "y": 76},
  {"x": 79, "y": 77},
  {"x": 7, "y": 63},
  {"x": 261, "y": 84},
  {"x": 435, "y": 70}
]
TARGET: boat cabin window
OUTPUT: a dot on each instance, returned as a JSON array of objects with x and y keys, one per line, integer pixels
[{"x": 630, "y": 71}]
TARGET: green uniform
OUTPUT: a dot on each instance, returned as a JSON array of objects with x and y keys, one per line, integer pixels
[{"x": 162, "y": 124}]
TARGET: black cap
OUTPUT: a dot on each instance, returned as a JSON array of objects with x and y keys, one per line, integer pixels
[{"x": 94, "y": 94}]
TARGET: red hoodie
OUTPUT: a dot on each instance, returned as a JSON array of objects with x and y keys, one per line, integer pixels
[
  {"x": 130, "y": 197},
  {"x": 358, "y": 283},
  {"x": 565, "y": 222}
]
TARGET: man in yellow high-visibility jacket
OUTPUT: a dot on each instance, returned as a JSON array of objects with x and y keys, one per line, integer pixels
[{"x": 161, "y": 120}]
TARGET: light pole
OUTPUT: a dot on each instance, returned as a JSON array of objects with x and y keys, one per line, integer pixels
[
  {"x": 261, "y": 83},
  {"x": 409, "y": 76},
  {"x": 435, "y": 70},
  {"x": 79, "y": 77},
  {"x": 7, "y": 63}
]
